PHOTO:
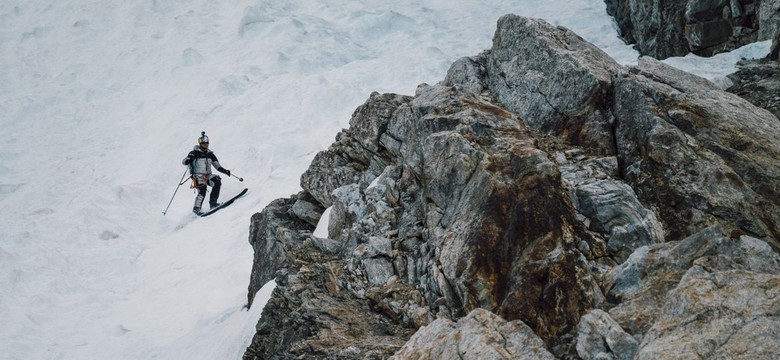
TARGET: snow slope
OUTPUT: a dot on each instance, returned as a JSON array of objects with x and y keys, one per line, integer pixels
[{"x": 100, "y": 101}]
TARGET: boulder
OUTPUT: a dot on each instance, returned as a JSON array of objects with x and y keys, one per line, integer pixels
[
  {"x": 307, "y": 209},
  {"x": 481, "y": 335},
  {"x": 530, "y": 59},
  {"x": 717, "y": 314},
  {"x": 707, "y": 34},
  {"x": 640, "y": 286}
]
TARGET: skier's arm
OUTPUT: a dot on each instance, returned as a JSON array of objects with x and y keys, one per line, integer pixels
[
  {"x": 215, "y": 162},
  {"x": 189, "y": 159},
  {"x": 221, "y": 169}
]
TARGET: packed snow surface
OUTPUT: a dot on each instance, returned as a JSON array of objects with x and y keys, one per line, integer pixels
[{"x": 101, "y": 100}]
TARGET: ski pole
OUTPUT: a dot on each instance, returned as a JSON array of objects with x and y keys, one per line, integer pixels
[
  {"x": 177, "y": 189},
  {"x": 239, "y": 179}
]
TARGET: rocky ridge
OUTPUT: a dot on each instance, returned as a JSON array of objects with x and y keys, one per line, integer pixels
[
  {"x": 542, "y": 201},
  {"x": 663, "y": 29}
]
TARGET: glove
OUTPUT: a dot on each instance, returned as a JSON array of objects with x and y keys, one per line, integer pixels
[
  {"x": 227, "y": 172},
  {"x": 224, "y": 171}
]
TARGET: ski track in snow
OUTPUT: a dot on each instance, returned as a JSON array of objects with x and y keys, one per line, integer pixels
[{"x": 100, "y": 101}]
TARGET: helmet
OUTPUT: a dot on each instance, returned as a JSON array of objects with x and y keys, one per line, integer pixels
[{"x": 203, "y": 140}]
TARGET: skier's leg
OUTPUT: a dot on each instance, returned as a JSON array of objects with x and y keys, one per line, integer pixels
[
  {"x": 216, "y": 184},
  {"x": 199, "y": 198}
]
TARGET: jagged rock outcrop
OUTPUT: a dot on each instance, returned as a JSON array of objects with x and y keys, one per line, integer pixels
[
  {"x": 562, "y": 203},
  {"x": 698, "y": 154},
  {"x": 769, "y": 20},
  {"x": 526, "y": 67},
  {"x": 466, "y": 200},
  {"x": 652, "y": 117},
  {"x": 274, "y": 232},
  {"x": 758, "y": 81},
  {"x": 311, "y": 315},
  {"x": 662, "y": 29}
]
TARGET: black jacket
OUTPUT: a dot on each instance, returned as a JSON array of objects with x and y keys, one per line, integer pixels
[{"x": 201, "y": 161}]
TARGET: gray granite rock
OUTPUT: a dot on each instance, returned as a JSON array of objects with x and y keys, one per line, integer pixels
[
  {"x": 717, "y": 314},
  {"x": 531, "y": 58},
  {"x": 704, "y": 27},
  {"x": 640, "y": 286},
  {"x": 698, "y": 154},
  {"x": 599, "y": 337},
  {"x": 480, "y": 335}
]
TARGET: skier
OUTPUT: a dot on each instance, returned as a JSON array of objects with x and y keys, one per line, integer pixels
[{"x": 200, "y": 160}]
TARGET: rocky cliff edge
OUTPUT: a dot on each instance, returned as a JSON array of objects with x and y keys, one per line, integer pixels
[{"x": 542, "y": 201}]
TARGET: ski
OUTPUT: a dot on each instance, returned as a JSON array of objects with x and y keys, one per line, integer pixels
[{"x": 223, "y": 205}]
